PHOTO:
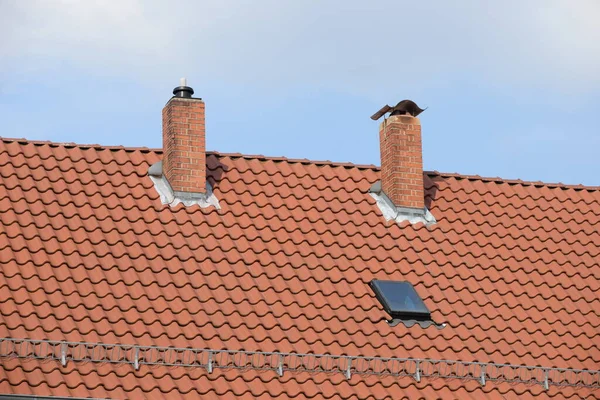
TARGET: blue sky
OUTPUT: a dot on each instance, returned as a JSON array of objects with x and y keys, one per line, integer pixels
[{"x": 512, "y": 87}]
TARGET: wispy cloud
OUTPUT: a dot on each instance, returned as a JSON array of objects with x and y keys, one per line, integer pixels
[
  {"x": 352, "y": 46},
  {"x": 512, "y": 85}
]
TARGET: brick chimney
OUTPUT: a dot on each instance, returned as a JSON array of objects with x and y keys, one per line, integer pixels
[
  {"x": 402, "y": 159},
  {"x": 184, "y": 144}
]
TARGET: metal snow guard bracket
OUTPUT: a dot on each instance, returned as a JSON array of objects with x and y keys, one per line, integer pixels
[{"x": 137, "y": 356}]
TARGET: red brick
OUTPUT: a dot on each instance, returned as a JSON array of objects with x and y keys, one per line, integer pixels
[
  {"x": 184, "y": 145},
  {"x": 402, "y": 161}
]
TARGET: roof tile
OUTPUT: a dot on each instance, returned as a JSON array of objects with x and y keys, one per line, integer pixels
[{"x": 88, "y": 253}]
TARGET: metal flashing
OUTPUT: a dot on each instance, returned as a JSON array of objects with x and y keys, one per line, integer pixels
[
  {"x": 399, "y": 214},
  {"x": 156, "y": 169},
  {"x": 409, "y": 323},
  {"x": 172, "y": 198}
]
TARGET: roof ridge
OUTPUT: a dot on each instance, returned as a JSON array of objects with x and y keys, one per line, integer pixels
[
  {"x": 294, "y": 160},
  {"x": 80, "y": 145},
  {"x": 512, "y": 181},
  {"x": 261, "y": 157}
]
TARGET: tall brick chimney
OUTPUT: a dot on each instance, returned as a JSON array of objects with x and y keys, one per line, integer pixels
[
  {"x": 402, "y": 157},
  {"x": 184, "y": 144}
]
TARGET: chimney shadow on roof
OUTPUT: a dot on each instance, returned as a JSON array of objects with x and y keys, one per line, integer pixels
[
  {"x": 430, "y": 182},
  {"x": 215, "y": 170}
]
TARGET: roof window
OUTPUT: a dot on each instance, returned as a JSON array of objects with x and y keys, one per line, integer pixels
[{"x": 400, "y": 300}]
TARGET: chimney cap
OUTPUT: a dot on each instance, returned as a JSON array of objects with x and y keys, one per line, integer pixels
[
  {"x": 402, "y": 108},
  {"x": 183, "y": 90}
]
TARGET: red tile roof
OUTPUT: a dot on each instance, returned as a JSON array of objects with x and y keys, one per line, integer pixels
[{"x": 89, "y": 254}]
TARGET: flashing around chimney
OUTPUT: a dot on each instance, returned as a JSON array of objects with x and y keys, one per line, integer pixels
[
  {"x": 400, "y": 214},
  {"x": 172, "y": 198}
]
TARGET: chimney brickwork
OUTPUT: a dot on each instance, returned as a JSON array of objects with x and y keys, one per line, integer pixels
[
  {"x": 402, "y": 161},
  {"x": 184, "y": 145}
]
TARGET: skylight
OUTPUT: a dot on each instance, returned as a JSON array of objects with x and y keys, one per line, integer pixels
[{"x": 400, "y": 300}]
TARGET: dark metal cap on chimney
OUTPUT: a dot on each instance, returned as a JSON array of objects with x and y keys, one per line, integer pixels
[
  {"x": 183, "y": 90},
  {"x": 402, "y": 108}
]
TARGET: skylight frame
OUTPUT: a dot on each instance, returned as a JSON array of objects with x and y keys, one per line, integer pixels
[{"x": 382, "y": 288}]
